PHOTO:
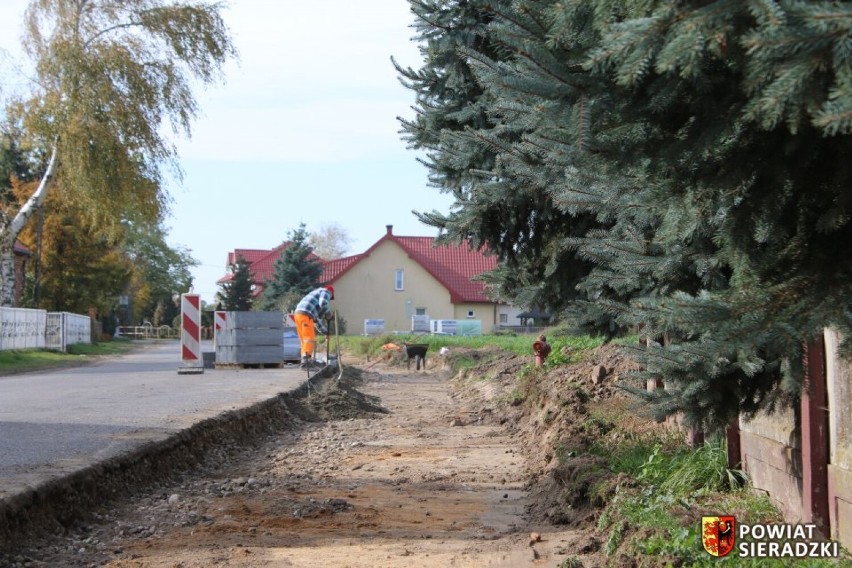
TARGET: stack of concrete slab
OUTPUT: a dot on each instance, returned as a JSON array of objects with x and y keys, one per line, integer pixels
[{"x": 250, "y": 338}]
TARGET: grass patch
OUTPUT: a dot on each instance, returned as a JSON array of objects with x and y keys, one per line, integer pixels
[
  {"x": 656, "y": 518},
  {"x": 464, "y": 363},
  {"x": 689, "y": 471},
  {"x": 24, "y": 360},
  {"x": 518, "y": 344},
  {"x": 657, "y": 487},
  {"x": 117, "y": 346}
]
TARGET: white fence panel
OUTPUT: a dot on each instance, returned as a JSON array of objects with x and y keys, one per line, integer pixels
[
  {"x": 63, "y": 329},
  {"x": 374, "y": 326},
  {"x": 443, "y": 327},
  {"x": 22, "y": 328},
  {"x": 420, "y": 324},
  {"x": 78, "y": 329}
]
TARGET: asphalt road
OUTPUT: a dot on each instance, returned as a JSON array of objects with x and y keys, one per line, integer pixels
[{"x": 54, "y": 422}]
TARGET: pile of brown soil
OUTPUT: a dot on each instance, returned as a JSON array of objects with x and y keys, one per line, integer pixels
[{"x": 556, "y": 414}]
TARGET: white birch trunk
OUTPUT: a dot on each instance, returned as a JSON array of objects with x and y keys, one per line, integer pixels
[{"x": 9, "y": 233}]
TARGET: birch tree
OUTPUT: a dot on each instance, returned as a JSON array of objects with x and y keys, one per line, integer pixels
[
  {"x": 110, "y": 77},
  {"x": 331, "y": 241}
]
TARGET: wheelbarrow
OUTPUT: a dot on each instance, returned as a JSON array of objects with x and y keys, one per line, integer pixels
[{"x": 416, "y": 351}]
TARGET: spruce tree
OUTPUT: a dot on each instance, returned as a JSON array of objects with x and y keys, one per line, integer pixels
[
  {"x": 296, "y": 272},
  {"x": 513, "y": 218},
  {"x": 697, "y": 151},
  {"x": 236, "y": 294}
]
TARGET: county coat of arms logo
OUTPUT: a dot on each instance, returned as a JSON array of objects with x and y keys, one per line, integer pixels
[{"x": 717, "y": 533}]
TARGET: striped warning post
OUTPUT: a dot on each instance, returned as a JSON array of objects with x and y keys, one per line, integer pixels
[
  {"x": 220, "y": 324},
  {"x": 220, "y": 320},
  {"x": 190, "y": 335}
]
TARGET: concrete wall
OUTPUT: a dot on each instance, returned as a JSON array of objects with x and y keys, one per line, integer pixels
[
  {"x": 839, "y": 383},
  {"x": 367, "y": 291},
  {"x": 772, "y": 455}
]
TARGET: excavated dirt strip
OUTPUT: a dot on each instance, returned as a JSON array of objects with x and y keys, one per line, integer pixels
[{"x": 399, "y": 472}]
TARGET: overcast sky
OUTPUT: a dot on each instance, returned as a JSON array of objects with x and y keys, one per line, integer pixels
[{"x": 304, "y": 130}]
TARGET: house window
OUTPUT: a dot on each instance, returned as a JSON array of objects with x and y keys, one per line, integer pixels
[
  {"x": 399, "y": 280},
  {"x": 471, "y": 314},
  {"x": 420, "y": 311},
  {"x": 504, "y": 318}
]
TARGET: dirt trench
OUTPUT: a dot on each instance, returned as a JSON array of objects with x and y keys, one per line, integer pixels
[{"x": 388, "y": 467}]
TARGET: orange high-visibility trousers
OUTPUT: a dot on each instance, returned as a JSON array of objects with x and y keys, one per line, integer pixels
[{"x": 307, "y": 333}]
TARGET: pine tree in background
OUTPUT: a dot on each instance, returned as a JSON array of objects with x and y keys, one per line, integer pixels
[
  {"x": 697, "y": 153},
  {"x": 236, "y": 294},
  {"x": 296, "y": 272}
]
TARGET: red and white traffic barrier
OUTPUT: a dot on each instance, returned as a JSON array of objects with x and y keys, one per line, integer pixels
[
  {"x": 220, "y": 324},
  {"x": 220, "y": 321},
  {"x": 190, "y": 335}
]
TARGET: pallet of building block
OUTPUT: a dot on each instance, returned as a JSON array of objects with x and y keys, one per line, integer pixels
[
  {"x": 245, "y": 355},
  {"x": 238, "y": 337}
]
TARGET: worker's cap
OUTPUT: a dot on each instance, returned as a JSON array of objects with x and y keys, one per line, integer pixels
[{"x": 331, "y": 290}]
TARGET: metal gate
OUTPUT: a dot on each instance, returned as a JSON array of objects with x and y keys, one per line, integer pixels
[
  {"x": 53, "y": 336},
  {"x": 63, "y": 329}
]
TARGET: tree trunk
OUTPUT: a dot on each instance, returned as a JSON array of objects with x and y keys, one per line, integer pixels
[{"x": 9, "y": 233}]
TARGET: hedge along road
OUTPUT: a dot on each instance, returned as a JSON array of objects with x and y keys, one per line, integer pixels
[{"x": 58, "y": 422}]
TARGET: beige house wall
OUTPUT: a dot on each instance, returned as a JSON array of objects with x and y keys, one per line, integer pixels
[
  {"x": 486, "y": 313},
  {"x": 366, "y": 291}
]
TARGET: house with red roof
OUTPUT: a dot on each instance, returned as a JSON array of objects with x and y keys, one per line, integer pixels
[
  {"x": 262, "y": 263},
  {"x": 399, "y": 277}
]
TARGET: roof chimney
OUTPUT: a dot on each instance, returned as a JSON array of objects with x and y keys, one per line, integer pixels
[{"x": 390, "y": 229}]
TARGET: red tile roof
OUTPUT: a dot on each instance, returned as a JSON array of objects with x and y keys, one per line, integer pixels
[
  {"x": 332, "y": 269},
  {"x": 262, "y": 262},
  {"x": 454, "y": 266}
]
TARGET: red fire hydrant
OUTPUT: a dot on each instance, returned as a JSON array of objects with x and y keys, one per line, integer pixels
[{"x": 541, "y": 349}]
